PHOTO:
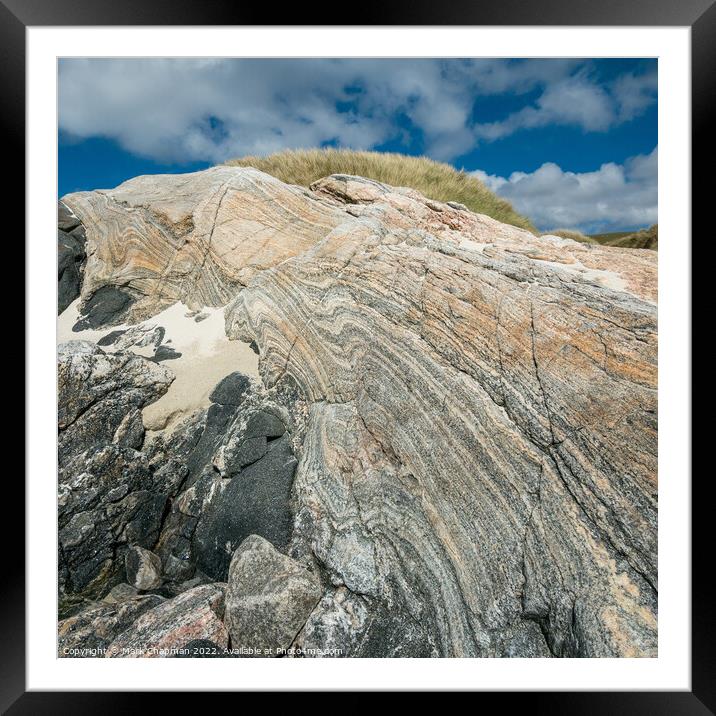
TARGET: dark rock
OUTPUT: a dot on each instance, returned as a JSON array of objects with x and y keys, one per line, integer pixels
[
  {"x": 66, "y": 220},
  {"x": 107, "y": 305},
  {"x": 256, "y": 501},
  {"x": 111, "y": 337},
  {"x": 231, "y": 389},
  {"x": 105, "y": 504},
  {"x": 247, "y": 444},
  {"x": 175, "y": 543},
  {"x": 80, "y": 234},
  {"x": 170, "y": 476},
  {"x": 174, "y": 546},
  {"x": 108, "y": 497},
  {"x": 70, "y": 251},
  {"x": 165, "y": 353},
  {"x": 70, "y": 256},
  {"x": 263, "y": 424},
  {"x": 142, "y": 512},
  {"x": 250, "y": 450},
  {"x": 218, "y": 419}
]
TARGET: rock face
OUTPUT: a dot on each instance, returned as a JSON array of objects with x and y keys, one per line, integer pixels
[
  {"x": 108, "y": 499},
  {"x": 470, "y": 414},
  {"x": 97, "y": 392},
  {"x": 236, "y": 469},
  {"x": 96, "y": 627},
  {"x": 70, "y": 256},
  {"x": 196, "y": 237},
  {"x": 269, "y": 598},
  {"x": 256, "y": 501}
]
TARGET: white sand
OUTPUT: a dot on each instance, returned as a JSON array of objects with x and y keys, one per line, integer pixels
[{"x": 207, "y": 355}]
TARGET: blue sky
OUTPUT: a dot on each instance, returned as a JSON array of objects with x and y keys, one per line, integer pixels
[{"x": 572, "y": 143}]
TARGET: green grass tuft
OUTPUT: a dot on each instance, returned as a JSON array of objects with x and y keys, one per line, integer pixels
[{"x": 433, "y": 179}]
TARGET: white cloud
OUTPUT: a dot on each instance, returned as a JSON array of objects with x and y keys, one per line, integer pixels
[
  {"x": 634, "y": 93},
  {"x": 612, "y": 198},
  {"x": 182, "y": 110},
  {"x": 578, "y": 101}
]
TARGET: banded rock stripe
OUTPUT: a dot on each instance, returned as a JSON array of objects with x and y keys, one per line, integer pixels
[
  {"x": 478, "y": 439},
  {"x": 195, "y": 238}
]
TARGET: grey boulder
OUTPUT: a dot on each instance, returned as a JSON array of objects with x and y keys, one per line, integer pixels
[{"x": 269, "y": 598}]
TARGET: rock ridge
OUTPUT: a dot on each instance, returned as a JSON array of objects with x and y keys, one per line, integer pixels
[{"x": 460, "y": 431}]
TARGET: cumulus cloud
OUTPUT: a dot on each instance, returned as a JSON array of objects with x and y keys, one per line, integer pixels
[
  {"x": 186, "y": 109},
  {"x": 611, "y": 198}
]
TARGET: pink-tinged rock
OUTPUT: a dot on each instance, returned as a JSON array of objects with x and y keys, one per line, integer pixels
[{"x": 196, "y": 614}]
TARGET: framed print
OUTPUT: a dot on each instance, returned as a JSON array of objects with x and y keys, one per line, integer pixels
[{"x": 359, "y": 358}]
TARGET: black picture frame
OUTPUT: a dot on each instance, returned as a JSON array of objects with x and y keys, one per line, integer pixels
[{"x": 699, "y": 15}]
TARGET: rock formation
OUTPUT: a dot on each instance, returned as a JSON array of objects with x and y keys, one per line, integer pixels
[
  {"x": 70, "y": 256},
  {"x": 451, "y": 451}
]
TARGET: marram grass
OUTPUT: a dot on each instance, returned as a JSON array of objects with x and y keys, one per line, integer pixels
[
  {"x": 572, "y": 234},
  {"x": 642, "y": 239},
  {"x": 433, "y": 179}
]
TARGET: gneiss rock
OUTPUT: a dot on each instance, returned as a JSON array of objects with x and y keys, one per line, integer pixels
[
  {"x": 90, "y": 632},
  {"x": 475, "y": 407},
  {"x": 344, "y": 624},
  {"x": 185, "y": 237},
  {"x": 106, "y": 502},
  {"x": 96, "y": 392},
  {"x": 269, "y": 598},
  {"x": 144, "y": 568},
  {"x": 108, "y": 498},
  {"x": 483, "y": 424},
  {"x": 159, "y": 632}
]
